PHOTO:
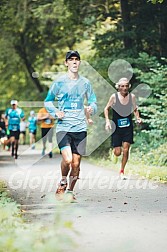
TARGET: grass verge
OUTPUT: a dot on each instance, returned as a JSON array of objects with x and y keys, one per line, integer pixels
[
  {"x": 17, "y": 236},
  {"x": 154, "y": 172}
]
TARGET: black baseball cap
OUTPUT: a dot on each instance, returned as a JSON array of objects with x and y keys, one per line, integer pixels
[{"x": 72, "y": 53}]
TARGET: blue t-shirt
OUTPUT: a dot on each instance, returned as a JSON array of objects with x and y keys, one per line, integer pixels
[
  {"x": 14, "y": 116},
  {"x": 32, "y": 123},
  {"x": 71, "y": 95}
]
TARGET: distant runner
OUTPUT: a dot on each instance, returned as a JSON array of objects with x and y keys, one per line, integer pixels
[
  {"x": 122, "y": 104},
  {"x": 23, "y": 126},
  {"x": 47, "y": 126},
  {"x": 32, "y": 126},
  {"x": 13, "y": 117}
]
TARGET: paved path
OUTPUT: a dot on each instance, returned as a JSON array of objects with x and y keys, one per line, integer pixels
[{"x": 110, "y": 214}]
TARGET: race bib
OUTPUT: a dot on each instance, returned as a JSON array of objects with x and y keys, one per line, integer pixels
[
  {"x": 48, "y": 121},
  {"x": 75, "y": 104},
  {"x": 14, "y": 127},
  {"x": 123, "y": 122}
]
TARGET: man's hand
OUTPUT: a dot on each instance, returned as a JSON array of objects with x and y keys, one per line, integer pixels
[
  {"x": 108, "y": 125},
  {"x": 60, "y": 114},
  {"x": 90, "y": 121},
  {"x": 139, "y": 120},
  {"x": 50, "y": 117},
  {"x": 89, "y": 110}
]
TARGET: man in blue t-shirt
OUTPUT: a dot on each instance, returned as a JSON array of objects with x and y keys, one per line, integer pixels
[
  {"x": 13, "y": 116},
  {"x": 71, "y": 90}
]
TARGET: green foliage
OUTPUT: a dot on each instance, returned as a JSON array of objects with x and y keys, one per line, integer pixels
[
  {"x": 150, "y": 71},
  {"x": 36, "y": 34},
  {"x": 152, "y": 138},
  {"x": 18, "y": 236},
  {"x": 3, "y": 186},
  {"x": 155, "y": 1},
  {"x": 153, "y": 133},
  {"x": 156, "y": 156},
  {"x": 132, "y": 29},
  {"x": 136, "y": 165}
]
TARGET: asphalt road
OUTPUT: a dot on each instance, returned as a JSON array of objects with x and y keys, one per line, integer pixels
[{"x": 110, "y": 214}]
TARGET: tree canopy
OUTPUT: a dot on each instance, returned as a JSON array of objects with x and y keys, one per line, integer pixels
[{"x": 35, "y": 36}]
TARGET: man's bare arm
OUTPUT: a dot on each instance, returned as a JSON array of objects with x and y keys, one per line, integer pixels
[
  {"x": 135, "y": 111},
  {"x": 106, "y": 111}
]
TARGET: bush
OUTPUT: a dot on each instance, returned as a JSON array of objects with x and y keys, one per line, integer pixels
[{"x": 18, "y": 236}]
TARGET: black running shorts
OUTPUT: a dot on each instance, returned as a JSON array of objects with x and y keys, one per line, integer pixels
[
  {"x": 47, "y": 133},
  {"x": 76, "y": 140},
  {"x": 15, "y": 134},
  {"x": 34, "y": 132},
  {"x": 121, "y": 136}
]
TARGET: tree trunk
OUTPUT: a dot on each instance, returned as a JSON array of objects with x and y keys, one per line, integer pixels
[
  {"x": 21, "y": 50},
  {"x": 31, "y": 70},
  {"x": 163, "y": 29},
  {"x": 126, "y": 23}
]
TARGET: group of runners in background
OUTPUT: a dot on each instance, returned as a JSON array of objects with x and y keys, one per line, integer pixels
[
  {"x": 13, "y": 128},
  {"x": 72, "y": 115}
]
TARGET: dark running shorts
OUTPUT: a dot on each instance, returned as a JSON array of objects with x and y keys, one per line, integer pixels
[
  {"x": 47, "y": 133},
  {"x": 34, "y": 132},
  {"x": 120, "y": 136},
  {"x": 15, "y": 134},
  {"x": 23, "y": 132},
  {"x": 76, "y": 140}
]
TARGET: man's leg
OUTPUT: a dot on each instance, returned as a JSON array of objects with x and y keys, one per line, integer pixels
[
  {"x": 125, "y": 156},
  {"x": 66, "y": 162},
  {"x": 17, "y": 134},
  {"x": 44, "y": 144},
  {"x": 116, "y": 142},
  {"x": 117, "y": 151},
  {"x": 75, "y": 169},
  {"x": 24, "y": 138},
  {"x": 44, "y": 138},
  {"x": 21, "y": 138},
  {"x": 32, "y": 140},
  {"x": 65, "y": 167},
  {"x": 16, "y": 147},
  {"x": 12, "y": 141},
  {"x": 50, "y": 144}
]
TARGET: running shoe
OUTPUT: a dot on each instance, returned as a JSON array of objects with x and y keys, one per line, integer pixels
[
  {"x": 69, "y": 197},
  {"x": 61, "y": 190},
  {"x": 50, "y": 154},
  {"x": 33, "y": 146},
  {"x": 114, "y": 158},
  {"x": 43, "y": 152},
  {"x": 122, "y": 176}
]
